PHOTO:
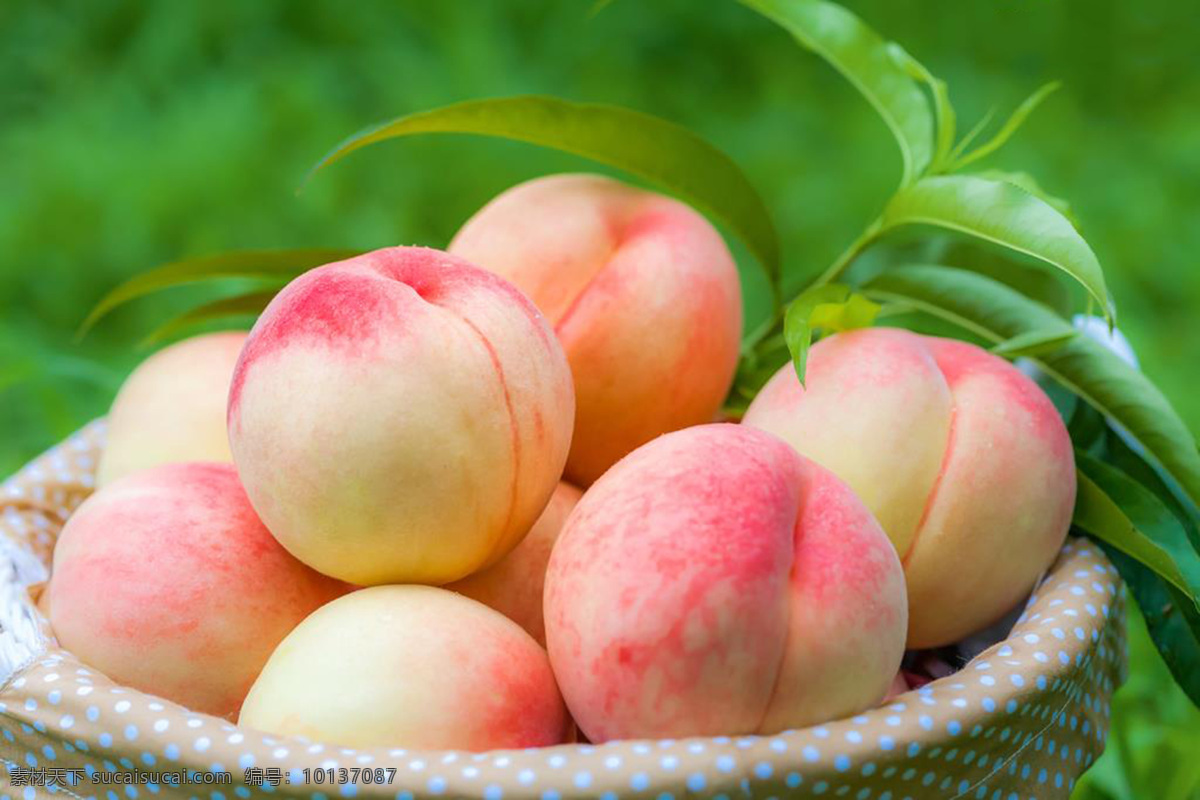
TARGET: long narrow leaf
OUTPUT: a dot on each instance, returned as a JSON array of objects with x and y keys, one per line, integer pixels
[
  {"x": 265, "y": 264},
  {"x": 1009, "y": 127},
  {"x": 944, "y": 114},
  {"x": 1171, "y": 620},
  {"x": 997, "y": 313},
  {"x": 651, "y": 148},
  {"x": 1005, "y": 214},
  {"x": 1119, "y": 511},
  {"x": 865, "y": 59}
]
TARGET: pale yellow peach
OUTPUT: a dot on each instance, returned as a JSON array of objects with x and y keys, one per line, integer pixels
[
  {"x": 409, "y": 666},
  {"x": 402, "y": 416},
  {"x": 172, "y": 407}
]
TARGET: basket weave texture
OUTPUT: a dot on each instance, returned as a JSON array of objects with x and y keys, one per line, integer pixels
[{"x": 1022, "y": 720}]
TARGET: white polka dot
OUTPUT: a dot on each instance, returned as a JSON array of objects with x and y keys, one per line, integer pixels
[
  {"x": 122, "y": 706},
  {"x": 202, "y": 744}
]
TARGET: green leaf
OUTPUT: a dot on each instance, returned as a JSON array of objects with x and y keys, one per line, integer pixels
[
  {"x": 651, "y": 148},
  {"x": 242, "y": 305},
  {"x": 1117, "y": 452},
  {"x": 1033, "y": 343},
  {"x": 1101, "y": 378},
  {"x": 264, "y": 264},
  {"x": 1171, "y": 619},
  {"x": 1009, "y": 128},
  {"x": 1030, "y": 184},
  {"x": 865, "y": 59},
  {"x": 1119, "y": 511},
  {"x": 1034, "y": 279},
  {"x": 943, "y": 109},
  {"x": 999, "y": 212},
  {"x": 831, "y": 307}
]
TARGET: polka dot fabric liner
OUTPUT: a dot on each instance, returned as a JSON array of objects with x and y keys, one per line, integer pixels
[{"x": 1022, "y": 720}]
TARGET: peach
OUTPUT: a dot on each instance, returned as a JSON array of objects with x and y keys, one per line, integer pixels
[
  {"x": 716, "y": 582},
  {"x": 401, "y": 416},
  {"x": 409, "y": 666},
  {"x": 963, "y": 460},
  {"x": 513, "y": 585},
  {"x": 640, "y": 289},
  {"x": 168, "y": 582},
  {"x": 172, "y": 407}
]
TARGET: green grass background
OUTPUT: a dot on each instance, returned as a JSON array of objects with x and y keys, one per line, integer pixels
[{"x": 135, "y": 133}]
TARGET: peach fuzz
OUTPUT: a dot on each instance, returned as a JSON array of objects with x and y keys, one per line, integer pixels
[
  {"x": 716, "y": 582},
  {"x": 642, "y": 292},
  {"x": 963, "y": 459},
  {"x": 171, "y": 408},
  {"x": 167, "y": 581},
  {"x": 409, "y": 666},
  {"x": 513, "y": 585},
  {"x": 402, "y": 416}
]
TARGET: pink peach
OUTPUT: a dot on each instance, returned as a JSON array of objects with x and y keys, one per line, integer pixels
[
  {"x": 513, "y": 585},
  {"x": 409, "y": 666},
  {"x": 172, "y": 407},
  {"x": 716, "y": 582},
  {"x": 963, "y": 460},
  {"x": 640, "y": 289},
  {"x": 168, "y": 582},
  {"x": 401, "y": 416}
]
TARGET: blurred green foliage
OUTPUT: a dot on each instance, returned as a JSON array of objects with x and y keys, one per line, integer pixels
[{"x": 135, "y": 133}]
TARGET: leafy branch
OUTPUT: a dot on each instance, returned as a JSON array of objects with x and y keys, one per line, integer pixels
[{"x": 1000, "y": 208}]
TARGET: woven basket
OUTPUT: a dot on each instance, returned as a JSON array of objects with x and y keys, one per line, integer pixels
[{"x": 1021, "y": 720}]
